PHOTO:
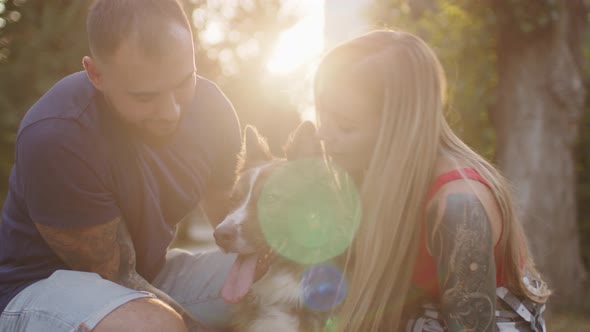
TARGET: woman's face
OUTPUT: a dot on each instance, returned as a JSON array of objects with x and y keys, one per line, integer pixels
[{"x": 348, "y": 124}]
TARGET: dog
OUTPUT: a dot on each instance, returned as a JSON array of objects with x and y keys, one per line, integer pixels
[{"x": 265, "y": 286}]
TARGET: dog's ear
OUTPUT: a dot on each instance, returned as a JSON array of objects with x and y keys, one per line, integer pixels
[
  {"x": 303, "y": 143},
  {"x": 254, "y": 149}
]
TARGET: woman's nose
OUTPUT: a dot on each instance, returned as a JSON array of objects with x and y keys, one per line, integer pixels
[{"x": 324, "y": 133}]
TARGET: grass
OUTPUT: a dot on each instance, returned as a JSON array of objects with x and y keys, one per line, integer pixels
[{"x": 560, "y": 322}]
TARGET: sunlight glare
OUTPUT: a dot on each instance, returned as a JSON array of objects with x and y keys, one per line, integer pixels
[
  {"x": 302, "y": 43},
  {"x": 213, "y": 33},
  {"x": 308, "y": 113}
]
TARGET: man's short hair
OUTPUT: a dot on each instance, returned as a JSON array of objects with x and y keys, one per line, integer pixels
[{"x": 111, "y": 22}]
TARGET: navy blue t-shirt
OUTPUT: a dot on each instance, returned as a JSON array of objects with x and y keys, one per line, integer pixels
[{"x": 77, "y": 164}]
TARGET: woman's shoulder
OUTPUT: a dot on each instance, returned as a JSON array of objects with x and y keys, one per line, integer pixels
[{"x": 458, "y": 188}]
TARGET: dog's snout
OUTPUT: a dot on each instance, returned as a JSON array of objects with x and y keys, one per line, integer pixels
[{"x": 225, "y": 235}]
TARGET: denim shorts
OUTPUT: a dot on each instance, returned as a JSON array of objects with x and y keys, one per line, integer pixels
[{"x": 75, "y": 301}]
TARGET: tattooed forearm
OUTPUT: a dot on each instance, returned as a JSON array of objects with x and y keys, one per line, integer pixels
[
  {"x": 462, "y": 244},
  {"x": 106, "y": 249},
  {"x": 129, "y": 277},
  {"x": 91, "y": 249}
]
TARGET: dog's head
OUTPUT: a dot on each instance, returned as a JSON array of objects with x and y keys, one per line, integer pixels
[{"x": 240, "y": 232}]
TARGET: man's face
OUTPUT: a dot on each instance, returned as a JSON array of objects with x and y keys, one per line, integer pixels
[{"x": 149, "y": 92}]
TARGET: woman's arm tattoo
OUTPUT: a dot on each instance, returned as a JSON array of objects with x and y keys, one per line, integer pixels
[{"x": 462, "y": 243}]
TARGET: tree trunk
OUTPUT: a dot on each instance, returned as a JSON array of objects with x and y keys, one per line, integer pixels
[{"x": 540, "y": 100}]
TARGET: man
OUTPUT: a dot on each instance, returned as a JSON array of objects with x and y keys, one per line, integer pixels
[{"x": 107, "y": 163}]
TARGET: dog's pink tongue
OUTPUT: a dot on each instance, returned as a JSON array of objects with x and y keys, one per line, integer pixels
[{"x": 240, "y": 278}]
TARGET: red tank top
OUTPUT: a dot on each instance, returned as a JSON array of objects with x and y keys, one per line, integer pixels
[{"x": 424, "y": 276}]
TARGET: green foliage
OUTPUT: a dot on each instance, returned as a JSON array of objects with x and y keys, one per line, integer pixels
[
  {"x": 527, "y": 17},
  {"x": 45, "y": 44}
]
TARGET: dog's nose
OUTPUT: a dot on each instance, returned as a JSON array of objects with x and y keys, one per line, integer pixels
[{"x": 225, "y": 235}]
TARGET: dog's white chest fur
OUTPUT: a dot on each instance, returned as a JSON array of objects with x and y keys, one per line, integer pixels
[
  {"x": 277, "y": 288},
  {"x": 273, "y": 303}
]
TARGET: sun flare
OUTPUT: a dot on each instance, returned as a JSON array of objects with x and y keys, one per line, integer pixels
[{"x": 302, "y": 43}]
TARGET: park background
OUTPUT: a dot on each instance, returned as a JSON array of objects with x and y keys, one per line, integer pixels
[{"x": 518, "y": 71}]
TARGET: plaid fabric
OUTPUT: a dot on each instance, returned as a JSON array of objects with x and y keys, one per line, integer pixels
[{"x": 512, "y": 315}]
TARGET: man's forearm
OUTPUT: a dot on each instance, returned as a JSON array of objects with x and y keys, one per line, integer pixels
[
  {"x": 88, "y": 249},
  {"x": 129, "y": 277},
  {"x": 105, "y": 249}
]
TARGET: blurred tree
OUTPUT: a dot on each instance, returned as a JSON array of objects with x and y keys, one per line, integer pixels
[
  {"x": 540, "y": 103},
  {"x": 583, "y": 166},
  {"x": 516, "y": 95},
  {"x": 583, "y": 186},
  {"x": 41, "y": 42},
  {"x": 239, "y": 37}
]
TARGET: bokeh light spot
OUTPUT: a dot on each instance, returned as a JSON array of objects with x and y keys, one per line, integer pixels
[
  {"x": 14, "y": 16},
  {"x": 324, "y": 287},
  {"x": 309, "y": 211}
]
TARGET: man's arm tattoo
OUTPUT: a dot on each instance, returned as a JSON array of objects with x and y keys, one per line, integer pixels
[
  {"x": 89, "y": 249},
  {"x": 106, "y": 249},
  {"x": 462, "y": 244},
  {"x": 129, "y": 277}
]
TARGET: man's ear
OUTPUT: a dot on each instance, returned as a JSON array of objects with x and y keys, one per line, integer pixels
[
  {"x": 254, "y": 149},
  {"x": 303, "y": 143},
  {"x": 93, "y": 72}
]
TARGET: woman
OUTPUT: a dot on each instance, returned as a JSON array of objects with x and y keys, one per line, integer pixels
[{"x": 441, "y": 244}]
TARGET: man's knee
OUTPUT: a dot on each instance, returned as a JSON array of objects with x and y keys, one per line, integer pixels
[{"x": 143, "y": 314}]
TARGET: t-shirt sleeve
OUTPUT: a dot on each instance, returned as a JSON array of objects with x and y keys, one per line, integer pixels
[
  {"x": 62, "y": 176},
  {"x": 227, "y": 139}
]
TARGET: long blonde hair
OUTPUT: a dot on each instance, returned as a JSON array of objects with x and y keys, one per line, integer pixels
[{"x": 405, "y": 73}]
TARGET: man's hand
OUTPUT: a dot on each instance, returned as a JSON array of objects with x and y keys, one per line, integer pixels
[{"x": 106, "y": 249}]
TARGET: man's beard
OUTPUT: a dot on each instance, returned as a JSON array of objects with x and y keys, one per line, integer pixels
[
  {"x": 152, "y": 131},
  {"x": 159, "y": 128}
]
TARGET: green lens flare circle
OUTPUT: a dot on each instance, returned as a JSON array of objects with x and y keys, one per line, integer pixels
[{"x": 309, "y": 211}]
